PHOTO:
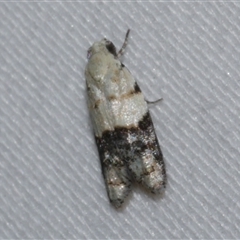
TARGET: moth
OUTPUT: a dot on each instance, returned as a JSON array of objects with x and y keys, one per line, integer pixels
[{"x": 127, "y": 143}]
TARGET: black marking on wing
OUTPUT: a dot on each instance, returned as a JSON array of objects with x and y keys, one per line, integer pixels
[
  {"x": 122, "y": 65},
  {"x": 137, "y": 90},
  {"x": 117, "y": 140},
  {"x": 111, "y": 48},
  {"x": 117, "y": 143}
]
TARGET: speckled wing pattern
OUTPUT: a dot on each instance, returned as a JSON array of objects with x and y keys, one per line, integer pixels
[{"x": 127, "y": 144}]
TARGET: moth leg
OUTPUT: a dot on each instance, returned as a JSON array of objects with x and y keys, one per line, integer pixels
[
  {"x": 121, "y": 51},
  {"x": 153, "y": 102}
]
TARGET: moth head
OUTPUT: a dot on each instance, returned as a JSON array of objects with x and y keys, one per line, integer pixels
[{"x": 104, "y": 45}]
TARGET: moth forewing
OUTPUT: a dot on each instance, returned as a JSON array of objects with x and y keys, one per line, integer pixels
[{"x": 127, "y": 143}]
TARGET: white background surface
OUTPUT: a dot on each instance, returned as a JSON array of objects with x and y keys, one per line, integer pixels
[{"x": 50, "y": 176}]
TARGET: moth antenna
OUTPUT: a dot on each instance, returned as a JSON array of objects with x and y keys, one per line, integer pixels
[{"x": 121, "y": 51}]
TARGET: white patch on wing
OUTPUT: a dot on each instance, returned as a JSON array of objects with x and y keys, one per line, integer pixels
[
  {"x": 128, "y": 112},
  {"x": 108, "y": 85}
]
